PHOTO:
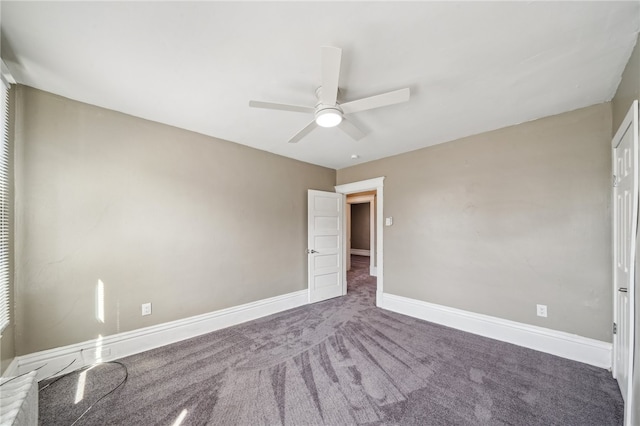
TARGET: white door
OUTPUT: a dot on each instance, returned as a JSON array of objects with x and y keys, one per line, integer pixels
[
  {"x": 625, "y": 217},
  {"x": 325, "y": 250}
]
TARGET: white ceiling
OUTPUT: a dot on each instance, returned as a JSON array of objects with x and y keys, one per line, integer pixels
[{"x": 471, "y": 67}]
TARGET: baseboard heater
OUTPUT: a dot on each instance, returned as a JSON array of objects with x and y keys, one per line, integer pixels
[{"x": 19, "y": 400}]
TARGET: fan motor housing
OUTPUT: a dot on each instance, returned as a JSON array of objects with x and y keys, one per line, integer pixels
[{"x": 328, "y": 116}]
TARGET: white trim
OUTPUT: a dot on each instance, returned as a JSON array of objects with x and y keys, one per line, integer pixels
[
  {"x": 347, "y": 239},
  {"x": 372, "y": 233},
  {"x": 361, "y": 252},
  {"x": 361, "y": 186},
  {"x": 376, "y": 184},
  {"x": 559, "y": 343},
  {"x": 373, "y": 271},
  {"x": 132, "y": 342}
]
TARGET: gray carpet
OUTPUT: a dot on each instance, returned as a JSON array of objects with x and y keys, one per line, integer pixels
[{"x": 338, "y": 362}]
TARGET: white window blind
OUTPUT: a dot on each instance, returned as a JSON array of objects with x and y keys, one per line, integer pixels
[{"x": 4, "y": 209}]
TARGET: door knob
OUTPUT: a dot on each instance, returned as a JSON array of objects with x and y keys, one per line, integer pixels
[
  {"x": 623, "y": 289},
  {"x": 311, "y": 251}
]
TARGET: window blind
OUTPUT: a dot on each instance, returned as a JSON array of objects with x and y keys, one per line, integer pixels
[{"x": 4, "y": 209}]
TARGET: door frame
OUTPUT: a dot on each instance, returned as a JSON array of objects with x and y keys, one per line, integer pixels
[
  {"x": 376, "y": 184},
  {"x": 362, "y": 199},
  {"x": 630, "y": 122}
]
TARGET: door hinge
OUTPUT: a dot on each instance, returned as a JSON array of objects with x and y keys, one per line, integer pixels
[
  {"x": 615, "y": 328},
  {"x": 615, "y": 181}
]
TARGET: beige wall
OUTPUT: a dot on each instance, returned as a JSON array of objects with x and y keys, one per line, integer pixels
[
  {"x": 360, "y": 230},
  {"x": 158, "y": 214},
  {"x": 499, "y": 222},
  {"x": 628, "y": 90}
]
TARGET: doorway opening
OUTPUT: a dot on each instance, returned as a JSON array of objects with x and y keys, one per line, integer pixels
[
  {"x": 362, "y": 192},
  {"x": 361, "y": 227}
]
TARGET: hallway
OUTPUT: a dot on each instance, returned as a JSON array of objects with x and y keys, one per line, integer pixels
[{"x": 358, "y": 275}]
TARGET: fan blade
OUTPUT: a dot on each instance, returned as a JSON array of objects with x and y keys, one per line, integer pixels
[
  {"x": 351, "y": 129},
  {"x": 377, "y": 101},
  {"x": 330, "y": 74},
  {"x": 304, "y": 132},
  {"x": 283, "y": 107}
]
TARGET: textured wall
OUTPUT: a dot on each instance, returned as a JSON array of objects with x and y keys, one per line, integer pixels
[
  {"x": 360, "y": 229},
  {"x": 158, "y": 214},
  {"x": 498, "y": 222},
  {"x": 628, "y": 89}
]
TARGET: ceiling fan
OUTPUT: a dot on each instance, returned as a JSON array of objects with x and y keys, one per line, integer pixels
[{"x": 328, "y": 111}]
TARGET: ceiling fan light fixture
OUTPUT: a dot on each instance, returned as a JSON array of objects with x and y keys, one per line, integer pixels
[
  {"x": 329, "y": 117},
  {"x": 328, "y": 112}
]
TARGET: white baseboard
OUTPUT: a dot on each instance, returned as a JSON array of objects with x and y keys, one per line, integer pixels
[
  {"x": 379, "y": 297},
  {"x": 361, "y": 252},
  {"x": 566, "y": 345},
  {"x": 132, "y": 342},
  {"x": 373, "y": 271}
]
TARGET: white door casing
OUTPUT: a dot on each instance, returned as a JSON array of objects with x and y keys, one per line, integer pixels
[
  {"x": 372, "y": 237},
  {"x": 325, "y": 247},
  {"x": 625, "y": 218},
  {"x": 347, "y": 244}
]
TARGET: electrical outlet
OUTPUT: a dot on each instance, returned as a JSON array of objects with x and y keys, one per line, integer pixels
[
  {"x": 146, "y": 309},
  {"x": 542, "y": 310}
]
